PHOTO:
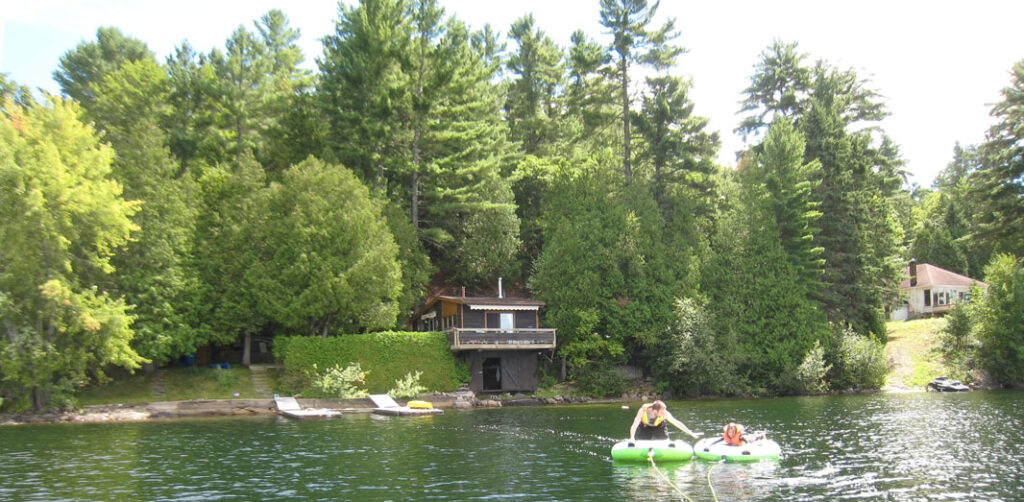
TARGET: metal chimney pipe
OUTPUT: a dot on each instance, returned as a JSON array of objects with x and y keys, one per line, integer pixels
[{"x": 501, "y": 294}]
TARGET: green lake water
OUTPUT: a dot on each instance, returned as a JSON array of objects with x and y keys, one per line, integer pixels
[{"x": 923, "y": 446}]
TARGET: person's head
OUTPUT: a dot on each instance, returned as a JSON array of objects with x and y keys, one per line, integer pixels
[
  {"x": 658, "y": 406},
  {"x": 733, "y": 428}
]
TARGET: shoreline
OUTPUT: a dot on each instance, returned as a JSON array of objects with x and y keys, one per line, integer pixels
[{"x": 207, "y": 408}]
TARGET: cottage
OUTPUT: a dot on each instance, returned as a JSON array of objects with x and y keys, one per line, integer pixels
[
  {"x": 931, "y": 290},
  {"x": 500, "y": 338}
]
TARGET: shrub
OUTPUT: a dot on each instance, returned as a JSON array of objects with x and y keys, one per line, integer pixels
[
  {"x": 547, "y": 382},
  {"x": 691, "y": 358},
  {"x": 341, "y": 383},
  {"x": 225, "y": 379},
  {"x": 858, "y": 362},
  {"x": 957, "y": 344},
  {"x": 600, "y": 381},
  {"x": 810, "y": 375},
  {"x": 409, "y": 386},
  {"x": 999, "y": 320}
]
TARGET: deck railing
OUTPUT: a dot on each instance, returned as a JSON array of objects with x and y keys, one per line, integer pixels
[{"x": 503, "y": 339}]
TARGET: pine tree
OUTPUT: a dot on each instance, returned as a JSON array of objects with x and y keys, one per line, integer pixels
[
  {"x": 999, "y": 190},
  {"x": 635, "y": 43}
]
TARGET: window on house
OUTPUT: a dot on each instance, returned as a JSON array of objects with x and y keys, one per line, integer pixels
[
  {"x": 927, "y": 298},
  {"x": 941, "y": 298},
  {"x": 507, "y": 321}
]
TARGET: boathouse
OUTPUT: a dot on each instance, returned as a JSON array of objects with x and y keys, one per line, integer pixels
[{"x": 500, "y": 338}]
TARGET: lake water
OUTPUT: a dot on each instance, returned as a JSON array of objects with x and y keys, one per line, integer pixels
[{"x": 924, "y": 446}]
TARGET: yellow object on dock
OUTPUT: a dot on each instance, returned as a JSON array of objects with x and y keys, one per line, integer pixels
[{"x": 420, "y": 405}]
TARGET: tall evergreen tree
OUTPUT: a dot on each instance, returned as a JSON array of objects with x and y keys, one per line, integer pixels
[
  {"x": 635, "y": 43},
  {"x": 589, "y": 96},
  {"x": 83, "y": 68},
  {"x": 364, "y": 87},
  {"x": 153, "y": 274},
  {"x": 779, "y": 87},
  {"x": 533, "y": 107},
  {"x": 1000, "y": 192},
  {"x": 191, "y": 117},
  {"x": 859, "y": 176},
  {"x": 676, "y": 144},
  {"x": 241, "y": 92}
]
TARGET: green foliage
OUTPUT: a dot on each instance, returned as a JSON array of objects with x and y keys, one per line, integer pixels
[
  {"x": 531, "y": 106},
  {"x": 810, "y": 375},
  {"x": 223, "y": 253},
  {"x": 408, "y": 386},
  {"x": 858, "y": 362},
  {"x": 339, "y": 382},
  {"x": 691, "y": 358},
  {"x": 153, "y": 268},
  {"x": 958, "y": 344},
  {"x": 999, "y": 320},
  {"x": 388, "y": 357},
  {"x": 324, "y": 258},
  {"x": 999, "y": 192},
  {"x": 61, "y": 218},
  {"x": 591, "y": 349},
  {"x": 547, "y": 382},
  {"x": 605, "y": 267},
  {"x": 83, "y": 68},
  {"x": 635, "y": 43},
  {"x": 600, "y": 380},
  {"x": 858, "y": 176}
]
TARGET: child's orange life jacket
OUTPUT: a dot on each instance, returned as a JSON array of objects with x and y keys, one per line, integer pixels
[{"x": 733, "y": 435}]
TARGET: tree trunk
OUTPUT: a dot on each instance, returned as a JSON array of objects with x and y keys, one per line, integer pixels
[
  {"x": 37, "y": 399},
  {"x": 561, "y": 373},
  {"x": 247, "y": 350},
  {"x": 625, "y": 120}
]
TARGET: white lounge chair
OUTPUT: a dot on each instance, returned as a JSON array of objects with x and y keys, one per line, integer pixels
[
  {"x": 387, "y": 406},
  {"x": 289, "y": 407}
]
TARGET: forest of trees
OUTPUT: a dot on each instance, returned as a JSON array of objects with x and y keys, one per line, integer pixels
[{"x": 158, "y": 206}]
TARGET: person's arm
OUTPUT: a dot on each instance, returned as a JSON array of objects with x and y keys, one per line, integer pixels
[
  {"x": 636, "y": 423},
  {"x": 672, "y": 420}
]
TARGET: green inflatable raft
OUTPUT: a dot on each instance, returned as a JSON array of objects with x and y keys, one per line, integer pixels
[{"x": 660, "y": 450}]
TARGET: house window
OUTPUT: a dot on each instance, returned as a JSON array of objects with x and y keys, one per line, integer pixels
[
  {"x": 941, "y": 298},
  {"x": 927, "y": 298},
  {"x": 507, "y": 321}
]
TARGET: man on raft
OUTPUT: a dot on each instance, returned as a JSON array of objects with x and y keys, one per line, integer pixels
[{"x": 651, "y": 420}]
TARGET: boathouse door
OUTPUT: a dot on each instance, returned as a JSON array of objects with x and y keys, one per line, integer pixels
[{"x": 492, "y": 374}]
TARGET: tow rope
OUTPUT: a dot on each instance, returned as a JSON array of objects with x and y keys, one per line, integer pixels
[{"x": 650, "y": 458}]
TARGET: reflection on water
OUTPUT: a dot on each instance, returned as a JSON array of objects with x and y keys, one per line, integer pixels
[{"x": 896, "y": 447}]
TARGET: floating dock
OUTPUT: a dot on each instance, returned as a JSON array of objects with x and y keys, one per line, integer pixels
[
  {"x": 289, "y": 407},
  {"x": 387, "y": 406}
]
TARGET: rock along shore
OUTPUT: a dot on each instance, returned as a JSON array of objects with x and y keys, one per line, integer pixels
[{"x": 250, "y": 407}]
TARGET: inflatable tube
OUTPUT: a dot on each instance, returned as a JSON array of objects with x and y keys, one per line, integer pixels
[
  {"x": 661, "y": 450},
  {"x": 420, "y": 405},
  {"x": 717, "y": 449}
]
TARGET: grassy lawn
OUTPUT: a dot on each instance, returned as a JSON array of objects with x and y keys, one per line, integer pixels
[
  {"x": 910, "y": 348},
  {"x": 178, "y": 384}
]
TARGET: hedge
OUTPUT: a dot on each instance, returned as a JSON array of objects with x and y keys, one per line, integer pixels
[{"x": 385, "y": 357}]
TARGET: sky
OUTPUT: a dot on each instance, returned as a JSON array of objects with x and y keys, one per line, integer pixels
[{"x": 940, "y": 65}]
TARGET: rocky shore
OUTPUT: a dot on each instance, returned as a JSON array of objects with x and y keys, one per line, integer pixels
[{"x": 250, "y": 407}]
